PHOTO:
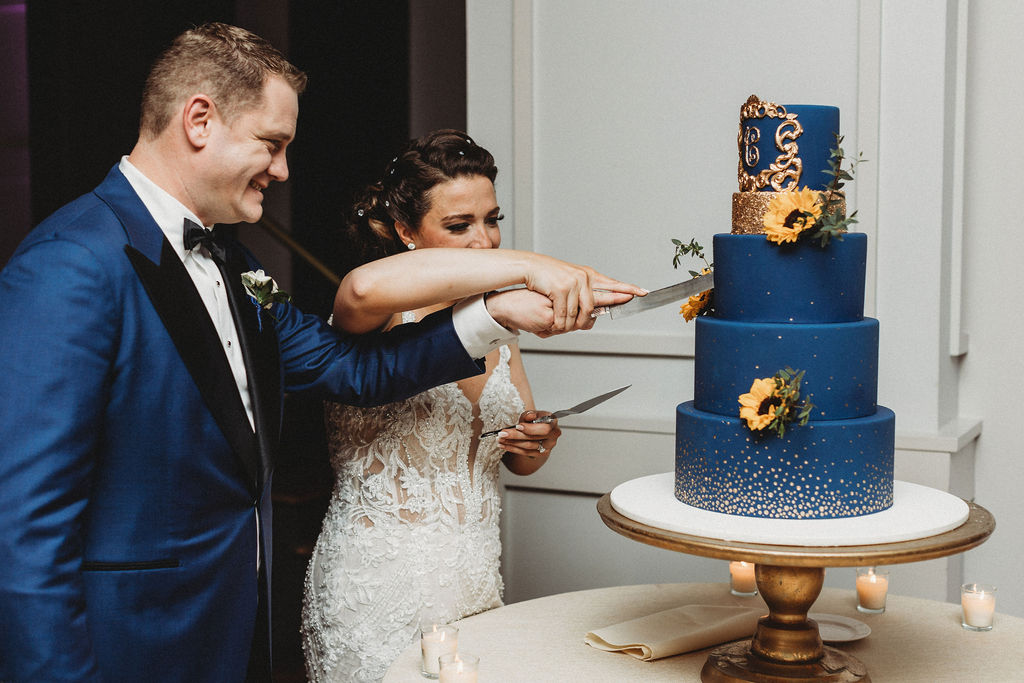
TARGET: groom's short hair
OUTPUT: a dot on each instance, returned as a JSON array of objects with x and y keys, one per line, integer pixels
[{"x": 225, "y": 62}]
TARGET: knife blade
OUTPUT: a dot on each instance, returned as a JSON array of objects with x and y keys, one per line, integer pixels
[
  {"x": 658, "y": 297},
  {"x": 575, "y": 410}
]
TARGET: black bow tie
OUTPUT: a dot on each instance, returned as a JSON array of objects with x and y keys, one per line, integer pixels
[{"x": 196, "y": 235}]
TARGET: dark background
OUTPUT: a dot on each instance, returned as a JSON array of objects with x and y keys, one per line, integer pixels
[{"x": 72, "y": 76}]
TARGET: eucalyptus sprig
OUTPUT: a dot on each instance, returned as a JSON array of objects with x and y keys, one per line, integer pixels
[
  {"x": 832, "y": 223},
  {"x": 692, "y": 249},
  {"x": 790, "y": 408}
]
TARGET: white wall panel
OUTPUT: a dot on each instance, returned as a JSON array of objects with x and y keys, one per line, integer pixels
[
  {"x": 578, "y": 551},
  {"x": 636, "y": 108}
]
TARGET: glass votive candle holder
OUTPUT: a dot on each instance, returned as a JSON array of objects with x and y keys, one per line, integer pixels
[
  {"x": 436, "y": 641},
  {"x": 459, "y": 667},
  {"x": 742, "y": 578},
  {"x": 872, "y": 588},
  {"x": 978, "y": 602}
]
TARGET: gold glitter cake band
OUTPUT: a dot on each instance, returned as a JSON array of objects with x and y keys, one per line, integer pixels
[{"x": 749, "y": 208}]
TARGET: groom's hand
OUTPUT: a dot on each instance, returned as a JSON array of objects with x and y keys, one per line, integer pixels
[
  {"x": 570, "y": 288},
  {"x": 527, "y": 311},
  {"x": 521, "y": 309}
]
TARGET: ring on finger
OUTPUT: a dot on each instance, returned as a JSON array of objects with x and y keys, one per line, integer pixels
[{"x": 540, "y": 448}]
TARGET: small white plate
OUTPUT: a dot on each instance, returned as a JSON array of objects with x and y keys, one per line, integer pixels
[{"x": 838, "y": 629}]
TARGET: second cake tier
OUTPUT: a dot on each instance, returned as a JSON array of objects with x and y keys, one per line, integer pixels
[{"x": 840, "y": 361}]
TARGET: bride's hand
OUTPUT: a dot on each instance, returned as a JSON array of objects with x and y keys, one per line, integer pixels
[
  {"x": 571, "y": 290},
  {"x": 528, "y": 311},
  {"x": 531, "y": 439}
]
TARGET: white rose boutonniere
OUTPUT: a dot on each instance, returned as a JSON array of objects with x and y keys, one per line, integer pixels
[{"x": 263, "y": 291}]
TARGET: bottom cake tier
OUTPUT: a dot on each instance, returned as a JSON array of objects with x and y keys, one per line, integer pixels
[{"x": 822, "y": 470}]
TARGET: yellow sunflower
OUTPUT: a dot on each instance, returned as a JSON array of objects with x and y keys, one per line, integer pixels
[
  {"x": 758, "y": 406},
  {"x": 693, "y": 306},
  {"x": 790, "y": 213},
  {"x": 696, "y": 304}
]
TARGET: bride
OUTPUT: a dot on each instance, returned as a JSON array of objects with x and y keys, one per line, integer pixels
[{"x": 411, "y": 533}]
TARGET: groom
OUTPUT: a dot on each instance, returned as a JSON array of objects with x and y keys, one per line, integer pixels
[{"x": 142, "y": 390}]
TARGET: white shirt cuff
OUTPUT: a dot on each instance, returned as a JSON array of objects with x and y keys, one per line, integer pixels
[{"x": 477, "y": 330}]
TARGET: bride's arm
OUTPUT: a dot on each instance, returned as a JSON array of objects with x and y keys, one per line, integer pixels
[{"x": 371, "y": 293}]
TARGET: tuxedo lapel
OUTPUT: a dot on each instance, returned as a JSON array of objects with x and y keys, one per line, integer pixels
[
  {"x": 179, "y": 306},
  {"x": 258, "y": 337},
  {"x": 177, "y": 302}
]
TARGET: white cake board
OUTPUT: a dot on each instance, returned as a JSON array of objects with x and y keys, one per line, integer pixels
[{"x": 917, "y": 512}]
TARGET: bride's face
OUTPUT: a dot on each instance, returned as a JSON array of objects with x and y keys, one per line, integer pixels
[{"x": 463, "y": 213}]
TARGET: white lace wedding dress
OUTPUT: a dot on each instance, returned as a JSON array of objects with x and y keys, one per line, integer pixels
[{"x": 411, "y": 532}]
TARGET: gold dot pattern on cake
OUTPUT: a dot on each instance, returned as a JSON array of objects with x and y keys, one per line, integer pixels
[{"x": 753, "y": 482}]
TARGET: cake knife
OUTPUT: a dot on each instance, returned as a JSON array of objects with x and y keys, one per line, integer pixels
[
  {"x": 658, "y": 297},
  {"x": 575, "y": 410}
]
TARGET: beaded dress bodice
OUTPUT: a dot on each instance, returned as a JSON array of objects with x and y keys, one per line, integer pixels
[{"x": 411, "y": 532}]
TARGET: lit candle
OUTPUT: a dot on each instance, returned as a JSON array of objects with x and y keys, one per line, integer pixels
[
  {"x": 437, "y": 640},
  {"x": 872, "y": 586},
  {"x": 979, "y": 606},
  {"x": 459, "y": 668},
  {"x": 742, "y": 578}
]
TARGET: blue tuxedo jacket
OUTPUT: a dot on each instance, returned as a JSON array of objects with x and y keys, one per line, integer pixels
[{"x": 131, "y": 482}]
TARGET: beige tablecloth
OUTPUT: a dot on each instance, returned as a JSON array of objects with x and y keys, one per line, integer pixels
[{"x": 914, "y": 641}]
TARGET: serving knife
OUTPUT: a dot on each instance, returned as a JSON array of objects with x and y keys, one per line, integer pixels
[
  {"x": 575, "y": 410},
  {"x": 658, "y": 297}
]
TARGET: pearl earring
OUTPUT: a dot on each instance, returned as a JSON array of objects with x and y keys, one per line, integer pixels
[{"x": 411, "y": 246}]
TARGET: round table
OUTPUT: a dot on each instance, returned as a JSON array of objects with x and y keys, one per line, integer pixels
[{"x": 914, "y": 641}]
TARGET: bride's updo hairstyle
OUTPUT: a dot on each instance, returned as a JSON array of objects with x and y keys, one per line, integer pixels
[{"x": 403, "y": 193}]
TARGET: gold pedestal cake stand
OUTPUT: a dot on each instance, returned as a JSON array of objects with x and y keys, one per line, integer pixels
[{"x": 787, "y": 645}]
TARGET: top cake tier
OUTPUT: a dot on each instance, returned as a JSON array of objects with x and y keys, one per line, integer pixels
[{"x": 785, "y": 147}]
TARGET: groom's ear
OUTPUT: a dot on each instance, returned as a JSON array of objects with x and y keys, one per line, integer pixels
[{"x": 197, "y": 117}]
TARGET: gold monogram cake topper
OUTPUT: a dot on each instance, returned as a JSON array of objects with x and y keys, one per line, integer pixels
[{"x": 784, "y": 174}]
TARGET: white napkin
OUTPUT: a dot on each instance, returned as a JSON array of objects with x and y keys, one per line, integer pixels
[{"x": 677, "y": 630}]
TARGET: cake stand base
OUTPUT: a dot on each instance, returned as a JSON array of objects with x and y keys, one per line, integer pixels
[
  {"x": 736, "y": 663},
  {"x": 787, "y": 645}
]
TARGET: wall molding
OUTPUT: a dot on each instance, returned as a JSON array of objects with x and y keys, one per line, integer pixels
[
  {"x": 953, "y": 437},
  {"x": 869, "y": 59},
  {"x": 595, "y": 341},
  {"x": 522, "y": 122}
]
